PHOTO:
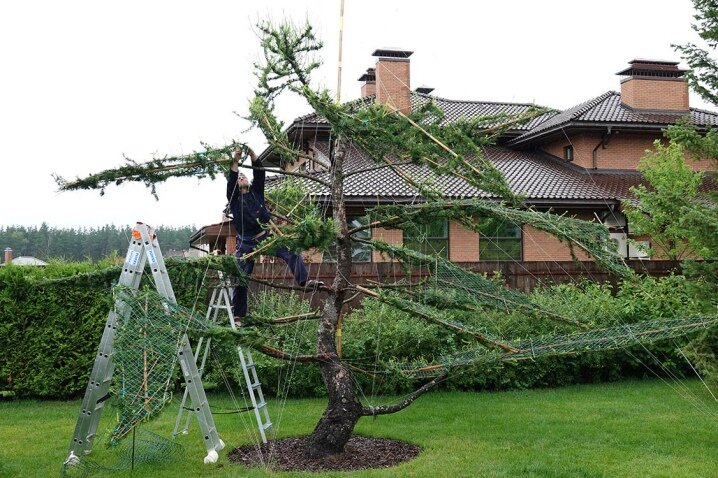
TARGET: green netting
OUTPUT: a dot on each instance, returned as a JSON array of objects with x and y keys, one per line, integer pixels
[
  {"x": 586, "y": 341},
  {"x": 593, "y": 238},
  {"x": 149, "y": 333},
  {"x": 458, "y": 288},
  {"x": 448, "y": 286},
  {"x": 150, "y": 330},
  {"x": 147, "y": 447}
]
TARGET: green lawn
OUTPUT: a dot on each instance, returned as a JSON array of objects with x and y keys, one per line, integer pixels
[{"x": 640, "y": 429}]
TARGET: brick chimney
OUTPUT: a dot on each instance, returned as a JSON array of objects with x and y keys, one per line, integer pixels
[
  {"x": 654, "y": 85},
  {"x": 369, "y": 79},
  {"x": 8, "y": 255},
  {"x": 393, "y": 86}
]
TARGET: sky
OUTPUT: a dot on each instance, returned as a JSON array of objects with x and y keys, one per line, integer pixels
[{"x": 84, "y": 82}]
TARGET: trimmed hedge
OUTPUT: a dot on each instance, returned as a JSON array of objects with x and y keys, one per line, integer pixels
[{"x": 50, "y": 330}]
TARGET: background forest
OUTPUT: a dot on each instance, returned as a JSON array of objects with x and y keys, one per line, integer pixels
[{"x": 80, "y": 244}]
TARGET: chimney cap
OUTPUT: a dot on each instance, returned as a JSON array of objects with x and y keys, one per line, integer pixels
[
  {"x": 644, "y": 67},
  {"x": 392, "y": 52},
  {"x": 370, "y": 75},
  {"x": 424, "y": 89}
]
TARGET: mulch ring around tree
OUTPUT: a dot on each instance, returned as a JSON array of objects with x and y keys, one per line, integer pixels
[{"x": 360, "y": 453}]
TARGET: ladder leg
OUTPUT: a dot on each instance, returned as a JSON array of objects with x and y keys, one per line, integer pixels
[
  {"x": 200, "y": 406},
  {"x": 251, "y": 379}
]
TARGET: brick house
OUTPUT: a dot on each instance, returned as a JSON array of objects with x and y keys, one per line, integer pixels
[{"x": 580, "y": 161}]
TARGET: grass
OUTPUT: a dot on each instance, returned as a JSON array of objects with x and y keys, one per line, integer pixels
[{"x": 635, "y": 428}]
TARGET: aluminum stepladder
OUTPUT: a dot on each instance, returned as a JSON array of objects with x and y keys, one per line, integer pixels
[
  {"x": 219, "y": 304},
  {"x": 143, "y": 249}
]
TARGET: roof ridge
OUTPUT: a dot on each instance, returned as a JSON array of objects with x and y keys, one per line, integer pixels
[
  {"x": 701, "y": 110},
  {"x": 581, "y": 108},
  {"x": 429, "y": 96}
]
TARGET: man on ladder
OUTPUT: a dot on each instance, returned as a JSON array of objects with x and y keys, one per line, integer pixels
[{"x": 250, "y": 217}]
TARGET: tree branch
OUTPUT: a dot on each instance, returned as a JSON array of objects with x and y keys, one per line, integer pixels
[
  {"x": 282, "y": 355},
  {"x": 292, "y": 173},
  {"x": 397, "y": 407},
  {"x": 374, "y": 168},
  {"x": 295, "y": 318},
  {"x": 479, "y": 337},
  {"x": 285, "y": 287},
  {"x": 370, "y": 225}
]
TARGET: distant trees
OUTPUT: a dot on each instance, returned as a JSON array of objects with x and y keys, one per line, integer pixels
[{"x": 46, "y": 242}]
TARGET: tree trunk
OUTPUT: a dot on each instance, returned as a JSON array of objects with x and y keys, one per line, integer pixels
[{"x": 344, "y": 409}]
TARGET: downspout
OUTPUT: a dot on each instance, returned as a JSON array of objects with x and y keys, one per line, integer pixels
[{"x": 604, "y": 141}]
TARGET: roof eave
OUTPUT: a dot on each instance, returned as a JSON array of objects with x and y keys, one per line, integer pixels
[{"x": 588, "y": 124}]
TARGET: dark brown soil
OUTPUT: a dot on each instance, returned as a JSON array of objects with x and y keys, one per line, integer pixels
[{"x": 360, "y": 453}]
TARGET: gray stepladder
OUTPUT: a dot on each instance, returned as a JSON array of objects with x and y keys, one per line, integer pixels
[
  {"x": 143, "y": 249},
  {"x": 219, "y": 304}
]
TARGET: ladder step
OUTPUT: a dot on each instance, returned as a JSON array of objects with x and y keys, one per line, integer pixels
[
  {"x": 267, "y": 425},
  {"x": 261, "y": 405},
  {"x": 255, "y": 385}
]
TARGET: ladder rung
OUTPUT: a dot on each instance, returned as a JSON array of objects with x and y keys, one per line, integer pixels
[
  {"x": 249, "y": 364},
  {"x": 261, "y": 405},
  {"x": 255, "y": 385},
  {"x": 267, "y": 425}
]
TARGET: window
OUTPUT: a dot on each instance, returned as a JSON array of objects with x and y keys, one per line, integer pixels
[
  {"x": 568, "y": 153},
  {"x": 430, "y": 238},
  {"x": 499, "y": 240},
  {"x": 360, "y": 252}
]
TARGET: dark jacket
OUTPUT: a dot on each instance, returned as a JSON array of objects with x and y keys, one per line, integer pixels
[{"x": 248, "y": 209}]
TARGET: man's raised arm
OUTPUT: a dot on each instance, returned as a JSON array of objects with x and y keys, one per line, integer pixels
[
  {"x": 258, "y": 175},
  {"x": 233, "y": 174}
]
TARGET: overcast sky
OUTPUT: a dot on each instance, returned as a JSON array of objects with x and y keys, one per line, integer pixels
[{"x": 81, "y": 83}]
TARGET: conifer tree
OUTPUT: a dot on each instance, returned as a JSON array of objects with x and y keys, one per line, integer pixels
[{"x": 391, "y": 139}]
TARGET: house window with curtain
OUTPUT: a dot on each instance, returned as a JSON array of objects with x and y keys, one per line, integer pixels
[
  {"x": 430, "y": 238},
  {"x": 360, "y": 252},
  {"x": 499, "y": 240}
]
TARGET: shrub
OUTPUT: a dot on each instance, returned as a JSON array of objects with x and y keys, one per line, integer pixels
[{"x": 50, "y": 328}]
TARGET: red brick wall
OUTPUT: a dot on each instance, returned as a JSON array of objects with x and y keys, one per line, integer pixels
[
  {"x": 368, "y": 89},
  {"x": 392, "y": 236},
  {"x": 463, "y": 243},
  {"x": 541, "y": 246},
  {"x": 655, "y": 93},
  {"x": 231, "y": 245},
  {"x": 393, "y": 83},
  {"x": 623, "y": 150},
  {"x": 583, "y": 144}
]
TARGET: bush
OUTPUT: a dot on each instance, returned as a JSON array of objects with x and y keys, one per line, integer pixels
[
  {"x": 50, "y": 330},
  {"x": 52, "y": 318}
]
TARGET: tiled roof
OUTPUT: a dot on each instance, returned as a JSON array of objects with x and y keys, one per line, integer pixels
[
  {"x": 456, "y": 110},
  {"x": 453, "y": 110},
  {"x": 607, "y": 108},
  {"x": 540, "y": 178}
]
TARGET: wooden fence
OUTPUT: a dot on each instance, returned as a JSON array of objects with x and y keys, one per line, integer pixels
[{"x": 523, "y": 276}]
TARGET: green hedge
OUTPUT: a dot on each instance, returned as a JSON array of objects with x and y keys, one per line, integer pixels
[
  {"x": 50, "y": 330},
  {"x": 51, "y": 321}
]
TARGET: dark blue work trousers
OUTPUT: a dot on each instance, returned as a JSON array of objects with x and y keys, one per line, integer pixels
[{"x": 245, "y": 246}]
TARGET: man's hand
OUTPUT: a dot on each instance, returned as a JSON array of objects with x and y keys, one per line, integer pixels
[
  {"x": 239, "y": 155},
  {"x": 236, "y": 156}
]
